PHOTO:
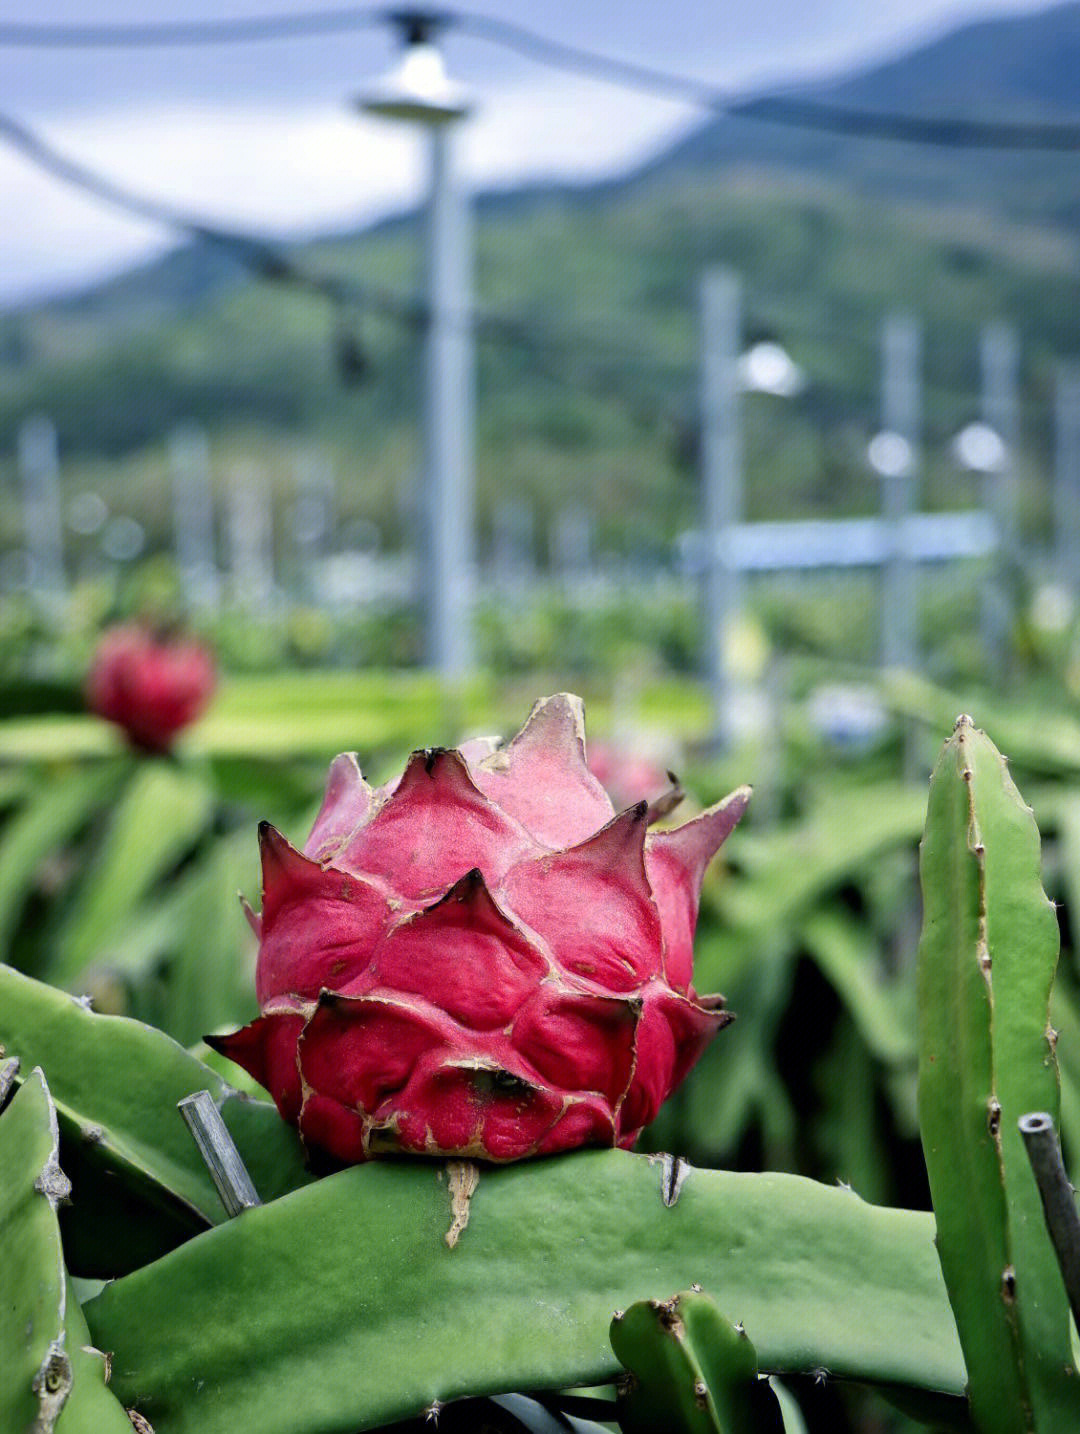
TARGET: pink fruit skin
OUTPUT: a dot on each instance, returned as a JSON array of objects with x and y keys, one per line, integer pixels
[
  {"x": 483, "y": 959},
  {"x": 150, "y": 686}
]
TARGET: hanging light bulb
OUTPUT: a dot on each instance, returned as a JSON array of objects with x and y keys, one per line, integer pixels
[{"x": 417, "y": 87}]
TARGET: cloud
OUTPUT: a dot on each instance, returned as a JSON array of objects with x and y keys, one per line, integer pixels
[{"x": 294, "y": 170}]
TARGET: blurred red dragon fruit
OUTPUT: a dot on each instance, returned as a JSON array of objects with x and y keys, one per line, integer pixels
[
  {"x": 480, "y": 959},
  {"x": 151, "y": 685},
  {"x": 628, "y": 774}
]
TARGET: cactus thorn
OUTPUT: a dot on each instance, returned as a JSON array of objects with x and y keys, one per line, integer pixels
[
  {"x": 105, "y": 1355},
  {"x": 963, "y": 721},
  {"x": 8, "y": 1071},
  {"x": 1008, "y": 1284},
  {"x": 701, "y": 1394},
  {"x": 618, "y": 1315},
  {"x": 675, "y": 1171},
  {"x": 432, "y": 1412},
  {"x": 820, "y": 1375},
  {"x": 696, "y": 1289}
]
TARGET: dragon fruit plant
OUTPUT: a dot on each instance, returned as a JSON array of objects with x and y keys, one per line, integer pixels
[
  {"x": 482, "y": 958},
  {"x": 151, "y": 685}
]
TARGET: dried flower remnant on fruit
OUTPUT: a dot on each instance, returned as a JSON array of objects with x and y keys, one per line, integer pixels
[
  {"x": 483, "y": 959},
  {"x": 152, "y": 685},
  {"x": 464, "y": 1178}
]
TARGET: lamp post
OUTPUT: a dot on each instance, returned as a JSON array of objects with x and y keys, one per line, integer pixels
[
  {"x": 418, "y": 91},
  {"x": 893, "y": 454}
]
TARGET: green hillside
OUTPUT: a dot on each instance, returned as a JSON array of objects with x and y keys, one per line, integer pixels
[{"x": 592, "y": 392}]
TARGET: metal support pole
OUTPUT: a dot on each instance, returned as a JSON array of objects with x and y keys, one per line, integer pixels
[
  {"x": 514, "y": 547},
  {"x": 39, "y": 469},
  {"x": 571, "y": 546},
  {"x": 251, "y": 541},
  {"x": 1058, "y": 1198},
  {"x": 193, "y": 515},
  {"x": 1067, "y": 480},
  {"x": 1000, "y": 363},
  {"x": 448, "y": 415},
  {"x": 901, "y": 414},
  {"x": 313, "y": 518},
  {"x": 722, "y": 495},
  {"x": 217, "y": 1148}
]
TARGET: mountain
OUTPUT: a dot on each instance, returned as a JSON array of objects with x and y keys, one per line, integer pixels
[{"x": 1021, "y": 68}]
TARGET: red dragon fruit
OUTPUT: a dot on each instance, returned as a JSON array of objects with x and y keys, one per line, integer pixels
[
  {"x": 628, "y": 774},
  {"x": 480, "y": 959},
  {"x": 152, "y": 686}
]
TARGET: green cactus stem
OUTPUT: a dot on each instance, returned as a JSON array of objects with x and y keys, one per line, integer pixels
[
  {"x": 270, "y": 1316},
  {"x": 689, "y": 1370},
  {"x": 52, "y": 1379},
  {"x": 986, "y": 965}
]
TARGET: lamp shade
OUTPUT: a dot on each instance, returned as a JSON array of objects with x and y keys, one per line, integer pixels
[{"x": 417, "y": 88}]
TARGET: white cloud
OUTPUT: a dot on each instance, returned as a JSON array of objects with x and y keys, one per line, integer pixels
[{"x": 292, "y": 170}]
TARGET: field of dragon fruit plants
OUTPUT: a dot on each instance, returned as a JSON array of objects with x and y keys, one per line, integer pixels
[{"x": 546, "y": 985}]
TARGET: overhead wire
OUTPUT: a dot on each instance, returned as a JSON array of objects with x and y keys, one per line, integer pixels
[
  {"x": 271, "y": 262},
  {"x": 567, "y": 357},
  {"x": 45, "y": 35},
  {"x": 790, "y": 109}
]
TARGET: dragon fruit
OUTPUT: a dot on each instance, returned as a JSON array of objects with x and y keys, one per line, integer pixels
[
  {"x": 627, "y": 775},
  {"x": 480, "y": 959},
  {"x": 150, "y": 685}
]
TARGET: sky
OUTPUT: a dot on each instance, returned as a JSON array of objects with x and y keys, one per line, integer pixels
[{"x": 266, "y": 136}]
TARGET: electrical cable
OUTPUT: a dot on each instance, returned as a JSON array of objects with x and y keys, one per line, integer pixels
[
  {"x": 270, "y": 262},
  {"x": 257, "y": 255},
  {"x": 170, "y": 33},
  {"x": 797, "y": 111}
]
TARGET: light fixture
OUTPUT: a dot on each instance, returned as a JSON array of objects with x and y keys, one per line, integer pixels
[
  {"x": 417, "y": 87},
  {"x": 980, "y": 448},
  {"x": 767, "y": 367},
  {"x": 890, "y": 454}
]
